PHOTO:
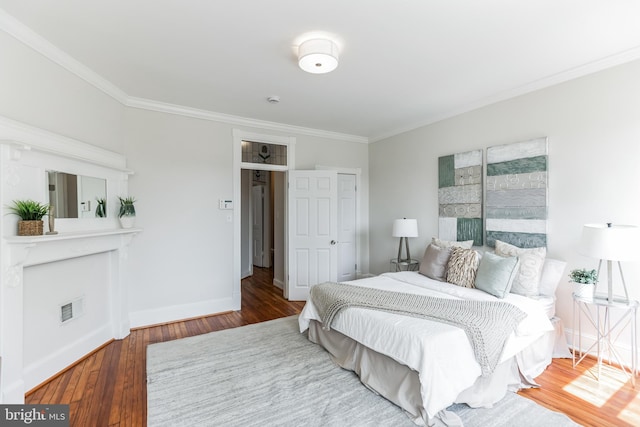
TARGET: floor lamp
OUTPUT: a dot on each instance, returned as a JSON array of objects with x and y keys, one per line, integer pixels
[
  {"x": 609, "y": 242},
  {"x": 404, "y": 228}
]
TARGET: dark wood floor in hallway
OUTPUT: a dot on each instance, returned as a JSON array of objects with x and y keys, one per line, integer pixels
[{"x": 108, "y": 388}]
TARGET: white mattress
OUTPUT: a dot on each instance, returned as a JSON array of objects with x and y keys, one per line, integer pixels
[{"x": 440, "y": 353}]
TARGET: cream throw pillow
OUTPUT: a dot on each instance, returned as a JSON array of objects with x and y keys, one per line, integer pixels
[
  {"x": 462, "y": 267},
  {"x": 527, "y": 281},
  {"x": 450, "y": 244}
]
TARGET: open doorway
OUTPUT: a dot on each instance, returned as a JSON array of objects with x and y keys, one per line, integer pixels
[{"x": 263, "y": 224}]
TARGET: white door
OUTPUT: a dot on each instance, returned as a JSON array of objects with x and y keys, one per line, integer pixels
[
  {"x": 346, "y": 227},
  {"x": 312, "y": 231},
  {"x": 257, "y": 224}
]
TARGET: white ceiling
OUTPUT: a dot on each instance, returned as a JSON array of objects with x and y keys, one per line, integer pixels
[{"x": 403, "y": 63}]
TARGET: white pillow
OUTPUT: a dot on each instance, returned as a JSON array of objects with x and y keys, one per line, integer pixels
[
  {"x": 527, "y": 281},
  {"x": 452, "y": 244},
  {"x": 552, "y": 272}
]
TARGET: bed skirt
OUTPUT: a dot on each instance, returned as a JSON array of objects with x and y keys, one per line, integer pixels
[{"x": 401, "y": 385}]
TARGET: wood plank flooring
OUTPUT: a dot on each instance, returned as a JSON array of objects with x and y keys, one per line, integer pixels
[{"x": 108, "y": 387}]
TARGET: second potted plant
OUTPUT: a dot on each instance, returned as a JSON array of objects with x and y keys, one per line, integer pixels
[
  {"x": 127, "y": 212},
  {"x": 584, "y": 282}
]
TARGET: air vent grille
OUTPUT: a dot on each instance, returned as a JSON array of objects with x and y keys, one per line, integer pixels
[
  {"x": 71, "y": 310},
  {"x": 66, "y": 312}
]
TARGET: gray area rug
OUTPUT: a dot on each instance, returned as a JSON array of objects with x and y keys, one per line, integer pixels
[{"x": 268, "y": 374}]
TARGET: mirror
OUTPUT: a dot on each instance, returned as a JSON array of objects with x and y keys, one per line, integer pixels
[{"x": 77, "y": 196}]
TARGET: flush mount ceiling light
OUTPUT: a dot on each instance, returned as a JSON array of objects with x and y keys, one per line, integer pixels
[{"x": 318, "y": 56}]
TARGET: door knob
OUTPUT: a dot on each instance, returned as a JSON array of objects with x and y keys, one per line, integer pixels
[{"x": 333, "y": 242}]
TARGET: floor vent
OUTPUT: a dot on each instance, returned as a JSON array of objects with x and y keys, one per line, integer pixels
[{"x": 71, "y": 310}]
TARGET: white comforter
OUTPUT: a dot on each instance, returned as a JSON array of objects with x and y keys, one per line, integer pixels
[{"x": 440, "y": 353}]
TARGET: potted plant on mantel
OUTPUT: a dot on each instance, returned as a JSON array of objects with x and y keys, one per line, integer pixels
[
  {"x": 584, "y": 282},
  {"x": 127, "y": 213},
  {"x": 31, "y": 214}
]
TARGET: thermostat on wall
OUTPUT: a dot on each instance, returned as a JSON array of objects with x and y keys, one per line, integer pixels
[{"x": 226, "y": 204}]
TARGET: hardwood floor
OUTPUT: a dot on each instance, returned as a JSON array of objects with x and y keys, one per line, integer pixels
[{"x": 108, "y": 388}]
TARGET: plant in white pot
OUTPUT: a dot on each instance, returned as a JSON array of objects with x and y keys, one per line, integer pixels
[
  {"x": 584, "y": 282},
  {"x": 127, "y": 213}
]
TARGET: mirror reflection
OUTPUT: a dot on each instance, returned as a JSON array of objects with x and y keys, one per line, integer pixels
[{"x": 77, "y": 196}]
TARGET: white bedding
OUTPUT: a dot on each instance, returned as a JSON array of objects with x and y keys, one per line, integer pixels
[{"x": 440, "y": 353}]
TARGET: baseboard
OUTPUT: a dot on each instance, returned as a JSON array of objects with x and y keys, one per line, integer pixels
[
  {"x": 623, "y": 348},
  {"x": 278, "y": 283},
  {"x": 47, "y": 367},
  {"x": 178, "y": 312}
]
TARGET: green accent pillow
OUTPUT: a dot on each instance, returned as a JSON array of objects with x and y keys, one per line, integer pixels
[{"x": 496, "y": 274}]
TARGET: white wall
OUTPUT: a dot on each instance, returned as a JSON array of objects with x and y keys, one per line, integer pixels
[
  {"x": 182, "y": 262},
  {"x": 39, "y": 92},
  {"x": 593, "y": 125}
]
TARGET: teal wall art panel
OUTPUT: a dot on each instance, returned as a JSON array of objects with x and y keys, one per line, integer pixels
[
  {"x": 460, "y": 197},
  {"x": 516, "y": 202}
]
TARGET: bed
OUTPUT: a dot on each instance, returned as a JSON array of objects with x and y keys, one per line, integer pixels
[{"x": 423, "y": 365}]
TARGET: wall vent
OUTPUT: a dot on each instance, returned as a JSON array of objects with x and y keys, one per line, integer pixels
[{"x": 71, "y": 310}]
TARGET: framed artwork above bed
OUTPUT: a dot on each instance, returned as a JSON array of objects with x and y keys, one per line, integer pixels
[
  {"x": 460, "y": 197},
  {"x": 517, "y": 194}
]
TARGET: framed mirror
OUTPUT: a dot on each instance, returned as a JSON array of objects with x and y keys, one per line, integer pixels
[{"x": 77, "y": 196}]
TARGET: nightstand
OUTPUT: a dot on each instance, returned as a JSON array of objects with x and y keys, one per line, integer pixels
[
  {"x": 598, "y": 311},
  {"x": 404, "y": 265}
]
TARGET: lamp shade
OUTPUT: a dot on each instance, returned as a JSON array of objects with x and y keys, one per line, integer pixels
[
  {"x": 318, "y": 56},
  {"x": 610, "y": 242},
  {"x": 405, "y": 228}
]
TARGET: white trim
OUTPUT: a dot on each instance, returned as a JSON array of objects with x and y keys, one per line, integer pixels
[
  {"x": 27, "y": 137},
  {"x": 163, "y": 107},
  {"x": 180, "y": 312},
  {"x": 564, "y": 76},
  {"x": 26, "y": 35},
  {"x": 238, "y": 165},
  {"x": 61, "y": 358},
  {"x": 360, "y": 231},
  {"x": 30, "y": 38},
  {"x": 623, "y": 348}
]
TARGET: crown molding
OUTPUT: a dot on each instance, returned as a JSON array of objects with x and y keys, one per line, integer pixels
[
  {"x": 26, "y": 35},
  {"x": 30, "y": 38},
  {"x": 570, "y": 74},
  {"x": 147, "y": 104}
]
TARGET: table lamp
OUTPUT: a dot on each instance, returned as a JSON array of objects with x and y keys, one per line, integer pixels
[
  {"x": 611, "y": 242},
  {"x": 404, "y": 228}
]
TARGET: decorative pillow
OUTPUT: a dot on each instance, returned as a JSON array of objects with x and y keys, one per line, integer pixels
[
  {"x": 450, "y": 244},
  {"x": 462, "y": 267},
  {"x": 496, "y": 274},
  {"x": 552, "y": 273},
  {"x": 434, "y": 262},
  {"x": 527, "y": 281}
]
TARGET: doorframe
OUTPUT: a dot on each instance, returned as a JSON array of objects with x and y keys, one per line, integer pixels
[
  {"x": 359, "y": 232},
  {"x": 238, "y": 165}
]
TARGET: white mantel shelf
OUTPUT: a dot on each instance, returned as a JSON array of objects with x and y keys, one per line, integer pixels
[
  {"x": 70, "y": 235},
  {"x": 34, "y": 250}
]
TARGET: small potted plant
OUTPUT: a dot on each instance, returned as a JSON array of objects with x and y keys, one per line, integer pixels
[
  {"x": 101, "y": 208},
  {"x": 584, "y": 282},
  {"x": 127, "y": 213},
  {"x": 31, "y": 214}
]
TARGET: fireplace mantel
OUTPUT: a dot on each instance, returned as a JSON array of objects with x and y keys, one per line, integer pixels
[
  {"x": 33, "y": 250},
  {"x": 27, "y": 251},
  {"x": 61, "y": 263}
]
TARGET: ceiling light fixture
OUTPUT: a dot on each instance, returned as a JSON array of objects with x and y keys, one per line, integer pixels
[
  {"x": 274, "y": 99},
  {"x": 318, "y": 56}
]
